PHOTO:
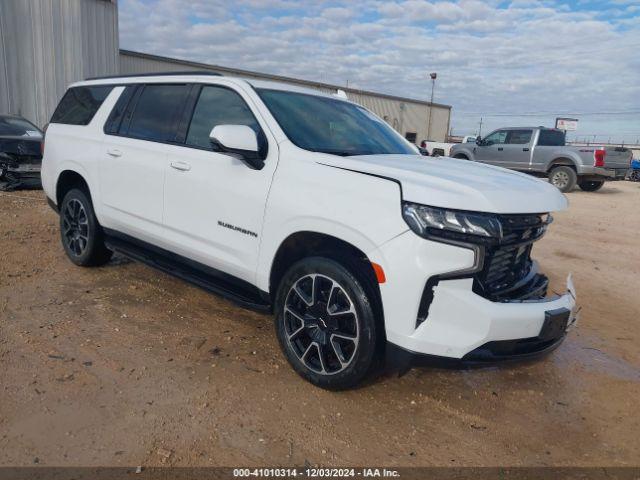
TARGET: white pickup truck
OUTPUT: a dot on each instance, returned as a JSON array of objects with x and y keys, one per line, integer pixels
[{"x": 443, "y": 149}]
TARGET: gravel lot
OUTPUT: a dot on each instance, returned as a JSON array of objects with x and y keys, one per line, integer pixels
[{"x": 122, "y": 365}]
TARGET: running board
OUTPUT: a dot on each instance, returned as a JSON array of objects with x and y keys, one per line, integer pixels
[{"x": 238, "y": 291}]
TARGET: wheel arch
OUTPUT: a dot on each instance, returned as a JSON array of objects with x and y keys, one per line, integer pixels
[
  {"x": 67, "y": 180},
  {"x": 562, "y": 161},
  {"x": 307, "y": 243}
]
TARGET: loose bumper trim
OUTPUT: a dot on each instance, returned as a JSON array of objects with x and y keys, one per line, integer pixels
[
  {"x": 401, "y": 360},
  {"x": 550, "y": 337}
]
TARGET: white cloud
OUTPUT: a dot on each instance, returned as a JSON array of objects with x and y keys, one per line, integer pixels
[{"x": 528, "y": 56}]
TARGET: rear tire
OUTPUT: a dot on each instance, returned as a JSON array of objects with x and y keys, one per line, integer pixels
[
  {"x": 564, "y": 178},
  {"x": 461, "y": 156},
  {"x": 326, "y": 324},
  {"x": 591, "y": 186},
  {"x": 81, "y": 235}
]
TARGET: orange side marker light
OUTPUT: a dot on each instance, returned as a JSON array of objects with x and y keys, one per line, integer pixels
[{"x": 379, "y": 272}]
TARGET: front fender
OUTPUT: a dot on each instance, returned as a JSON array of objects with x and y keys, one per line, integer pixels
[
  {"x": 310, "y": 224},
  {"x": 306, "y": 196}
]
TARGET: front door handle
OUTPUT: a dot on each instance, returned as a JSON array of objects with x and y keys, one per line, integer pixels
[
  {"x": 525, "y": 149},
  {"x": 500, "y": 149},
  {"x": 114, "y": 152},
  {"x": 182, "y": 166}
]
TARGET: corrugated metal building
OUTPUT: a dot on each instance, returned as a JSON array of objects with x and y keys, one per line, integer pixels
[
  {"x": 406, "y": 115},
  {"x": 47, "y": 44}
]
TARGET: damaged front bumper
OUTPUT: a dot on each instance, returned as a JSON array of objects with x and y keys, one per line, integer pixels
[
  {"x": 558, "y": 315},
  {"x": 17, "y": 171}
]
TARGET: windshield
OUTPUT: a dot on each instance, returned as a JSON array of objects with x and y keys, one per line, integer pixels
[
  {"x": 322, "y": 124},
  {"x": 17, "y": 127}
]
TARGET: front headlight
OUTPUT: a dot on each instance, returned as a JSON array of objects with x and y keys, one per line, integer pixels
[{"x": 451, "y": 224}]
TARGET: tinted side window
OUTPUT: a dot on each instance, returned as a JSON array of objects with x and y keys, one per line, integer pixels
[
  {"x": 80, "y": 104},
  {"x": 217, "y": 106},
  {"x": 156, "y": 112},
  {"x": 498, "y": 137},
  {"x": 519, "y": 137},
  {"x": 551, "y": 138}
]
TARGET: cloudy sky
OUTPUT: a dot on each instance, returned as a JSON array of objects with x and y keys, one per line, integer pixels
[{"x": 494, "y": 59}]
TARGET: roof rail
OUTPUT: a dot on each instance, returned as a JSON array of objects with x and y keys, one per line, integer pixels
[{"x": 157, "y": 74}]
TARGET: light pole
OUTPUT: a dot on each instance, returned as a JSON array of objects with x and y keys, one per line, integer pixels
[{"x": 433, "y": 76}]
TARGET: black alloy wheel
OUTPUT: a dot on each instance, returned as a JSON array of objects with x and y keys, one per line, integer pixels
[
  {"x": 327, "y": 324},
  {"x": 81, "y": 234},
  {"x": 321, "y": 324},
  {"x": 75, "y": 227}
]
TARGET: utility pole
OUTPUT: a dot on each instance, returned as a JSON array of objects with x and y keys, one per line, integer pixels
[
  {"x": 480, "y": 130},
  {"x": 433, "y": 76}
]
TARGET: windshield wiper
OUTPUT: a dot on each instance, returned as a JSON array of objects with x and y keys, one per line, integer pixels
[
  {"x": 332, "y": 151},
  {"x": 341, "y": 153}
]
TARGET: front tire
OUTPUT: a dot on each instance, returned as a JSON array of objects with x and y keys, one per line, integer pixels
[
  {"x": 325, "y": 323},
  {"x": 81, "y": 235},
  {"x": 461, "y": 156},
  {"x": 591, "y": 186},
  {"x": 564, "y": 178}
]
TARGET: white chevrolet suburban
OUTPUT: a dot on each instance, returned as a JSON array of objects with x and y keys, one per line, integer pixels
[{"x": 309, "y": 206}]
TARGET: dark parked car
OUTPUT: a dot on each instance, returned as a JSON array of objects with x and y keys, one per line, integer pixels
[{"x": 20, "y": 153}]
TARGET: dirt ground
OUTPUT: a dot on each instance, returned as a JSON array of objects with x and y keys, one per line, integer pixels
[{"x": 122, "y": 365}]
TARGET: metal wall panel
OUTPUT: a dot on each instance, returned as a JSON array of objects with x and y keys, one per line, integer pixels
[
  {"x": 48, "y": 44},
  {"x": 5, "y": 98}
]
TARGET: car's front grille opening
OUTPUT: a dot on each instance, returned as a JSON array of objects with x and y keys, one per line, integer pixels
[{"x": 508, "y": 272}]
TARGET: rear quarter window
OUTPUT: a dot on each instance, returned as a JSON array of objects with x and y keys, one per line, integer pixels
[
  {"x": 80, "y": 104},
  {"x": 551, "y": 138}
]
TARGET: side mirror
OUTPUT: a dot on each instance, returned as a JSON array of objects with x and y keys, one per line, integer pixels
[
  {"x": 478, "y": 140},
  {"x": 240, "y": 140}
]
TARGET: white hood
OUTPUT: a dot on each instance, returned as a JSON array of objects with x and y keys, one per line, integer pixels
[{"x": 458, "y": 184}]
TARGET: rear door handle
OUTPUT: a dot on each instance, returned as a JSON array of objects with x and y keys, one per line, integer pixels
[
  {"x": 500, "y": 149},
  {"x": 114, "y": 152},
  {"x": 525, "y": 149},
  {"x": 182, "y": 166}
]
